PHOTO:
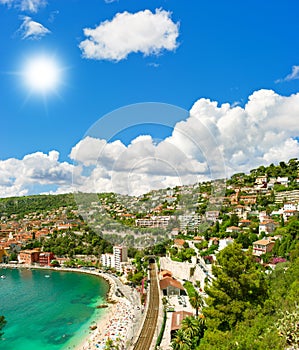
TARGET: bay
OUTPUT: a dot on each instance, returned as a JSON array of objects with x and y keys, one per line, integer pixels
[{"x": 47, "y": 309}]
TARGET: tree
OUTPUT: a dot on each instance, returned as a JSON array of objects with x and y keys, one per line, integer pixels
[
  {"x": 2, "y": 324},
  {"x": 194, "y": 329},
  {"x": 181, "y": 341},
  {"x": 196, "y": 301},
  {"x": 234, "y": 220},
  {"x": 238, "y": 285}
]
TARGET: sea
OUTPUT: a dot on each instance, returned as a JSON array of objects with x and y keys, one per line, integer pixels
[{"x": 48, "y": 309}]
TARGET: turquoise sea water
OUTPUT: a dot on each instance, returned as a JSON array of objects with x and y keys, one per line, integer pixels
[{"x": 48, "y": 310}]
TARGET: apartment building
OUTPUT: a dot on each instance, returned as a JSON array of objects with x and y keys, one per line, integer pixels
[{"x": 120, "y": 255}]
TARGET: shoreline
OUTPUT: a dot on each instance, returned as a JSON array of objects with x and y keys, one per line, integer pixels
[{"x": 116, "y": 321}]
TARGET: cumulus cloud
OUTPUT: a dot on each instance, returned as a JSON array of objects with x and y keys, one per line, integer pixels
[
  {"x": 31, "y": 29},
  {"x": 214, "y": 141},
  {"x": 25, "y": 5},
  {"x": 292, "y": 76},
  {"x": 17, "y": 176},
  {"x": 145, "y": 32}
]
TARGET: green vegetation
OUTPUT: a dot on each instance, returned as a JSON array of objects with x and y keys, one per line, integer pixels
[
  {"x": 20, "y": 206},
  {"x": 160, "y": 336},
  {"x": 239, "y": 284},
  {"x": 189, "y": 335},
  {"x": 248, "y": 310}
]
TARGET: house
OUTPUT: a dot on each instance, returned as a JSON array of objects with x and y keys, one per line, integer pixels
[
  {"x": 263, "y": 216},
  {"x": 244, "y": 223},
  {"x": 262, "y": 246},
  {"x": 233, "y": 229},
  {"x": 284, "y": 181},
  {"x": 179, "y": 243},
  {"x": 212, "y": 215},
  {"x": 260, "y": 180},
  {"x": 289, "y": 213},
  {"x": 267, "y": 226},
  {"x": 176, "y": 321},
  {"x": 170, "y": 286},
  {"x": 240, "y": 211},
  {"x": 248, "y": 199},
  {"x": 289, "y": 206}
]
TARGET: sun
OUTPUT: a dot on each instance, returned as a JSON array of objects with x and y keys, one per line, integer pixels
[{"x": 42, "y": 74}]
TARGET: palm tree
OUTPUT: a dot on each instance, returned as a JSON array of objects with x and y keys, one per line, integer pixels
[
  {"x": 194, "y": 328},
  {"x": 181, "y": 341},
  {"x": 196, "y": 302},
  {"x": 190, "y": 326}
]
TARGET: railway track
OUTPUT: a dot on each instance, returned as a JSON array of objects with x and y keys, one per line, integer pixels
[{"x": 149, "y": 326}]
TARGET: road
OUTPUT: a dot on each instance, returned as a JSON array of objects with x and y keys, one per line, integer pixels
[{"x": 148, "y": 330}]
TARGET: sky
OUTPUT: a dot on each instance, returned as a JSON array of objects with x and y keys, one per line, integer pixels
[{"x": 133, "y": 95}]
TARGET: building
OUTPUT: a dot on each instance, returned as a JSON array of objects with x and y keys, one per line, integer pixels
[
  {"x": 170, "y": 286},
  {"x": 287, "y": 196},
  {"x": 233, "y": 229},
  {"x": 212, "y": 215},
  {"x": 164, "y": 273},
  {"x": 176, "y": 321},
  {"x": 29, "y": 256},
  {"x": 120, "y": 255},
  {"x": 154, "y": 221},
  {"x": 283, "y": 181},
  {"x": 260, "y": 180},
  {"x": 262, "y": 246},
  {"x": 189, "y": 221},
  {"x": 267, "y": 227},
  {"x": 45, "y": 258},
  {"x": 107, "y": 260},
  {"x": 247, "y": 200}
]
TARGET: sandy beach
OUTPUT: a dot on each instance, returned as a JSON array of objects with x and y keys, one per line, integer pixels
[
  {"x": 115, "y": 325},
  {"x": 118, "y": 321}
]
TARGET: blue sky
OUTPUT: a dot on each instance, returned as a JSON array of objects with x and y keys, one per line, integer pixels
[{"x": 185, "y": 55}]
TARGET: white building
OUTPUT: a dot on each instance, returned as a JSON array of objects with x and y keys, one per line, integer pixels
[
  {"x": 154, "y": 221},
  {"x": 107, "y": 260},
  {"x": 120, "y": 255},
  {"x": 189, "y": 221}
]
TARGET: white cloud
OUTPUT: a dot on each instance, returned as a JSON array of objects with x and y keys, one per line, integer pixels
[
  {"x": 214, "y": 141},
  {"x": 31, "y": 29},
  {"x": 144, "y": 31},
  {"x": 292, "y": 76},
  {"x": 25, "y": 5},
  {"x": 18, "y": 176}
]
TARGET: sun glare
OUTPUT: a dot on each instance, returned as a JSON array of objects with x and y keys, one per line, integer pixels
[{"x": 41, "y": 74}]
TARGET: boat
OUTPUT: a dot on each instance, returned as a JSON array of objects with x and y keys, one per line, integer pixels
[
  {"x": 47, "y": 276},
  {"x": 3, "y": 277}
]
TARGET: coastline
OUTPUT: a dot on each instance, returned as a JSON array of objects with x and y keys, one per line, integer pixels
[{"x": 115, "y": 322}]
